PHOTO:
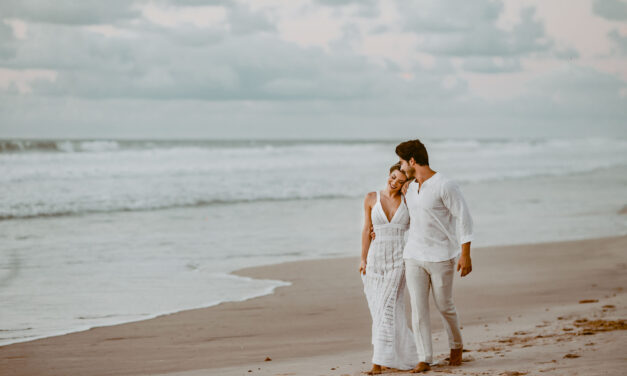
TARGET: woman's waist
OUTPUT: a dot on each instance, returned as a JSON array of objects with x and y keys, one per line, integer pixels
[
  {"x": 391, "y": 226},
  {"x": 395, "y": 239},
  {"x": 389, "y": 233}
]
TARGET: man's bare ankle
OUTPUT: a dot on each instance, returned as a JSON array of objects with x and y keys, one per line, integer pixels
[{"x": 455, "y": 359}]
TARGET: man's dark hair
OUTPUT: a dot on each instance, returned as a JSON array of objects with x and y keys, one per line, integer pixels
[{"x": 413, "y": 149}]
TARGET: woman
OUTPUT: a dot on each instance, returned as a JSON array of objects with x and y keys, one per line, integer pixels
[{"x": 383, "y": 274}]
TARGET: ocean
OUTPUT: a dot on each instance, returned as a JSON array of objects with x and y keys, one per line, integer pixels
[{"x": 100, "y": 232}]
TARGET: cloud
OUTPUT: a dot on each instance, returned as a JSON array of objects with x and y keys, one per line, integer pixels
[
  {"x": 491, "y": 65},
  {"x": 472, "y": 30},
  {"x": 21, "y": 81},
  {"x": 358, "y": 8},
  {"x": 447, "y": 16},
  {"x": 69, "y": 12},
  {"x": 7, "y": 41},
  {"x": 586, "y": 86},
  {"x": 243, "y": 20},
  {"x": 93, "y": 66},
  {"x": 620, "y": 41},
  {"x": 171, "y": 61},
  {"x": 253, "y": 68},
  {"x": 614, "y": 10}
]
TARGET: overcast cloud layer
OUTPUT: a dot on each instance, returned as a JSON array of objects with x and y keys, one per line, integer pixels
[{"x": 319, "y": 69}]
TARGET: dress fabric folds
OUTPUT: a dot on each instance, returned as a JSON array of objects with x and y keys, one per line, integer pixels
[{"x": 384, "y": 287}]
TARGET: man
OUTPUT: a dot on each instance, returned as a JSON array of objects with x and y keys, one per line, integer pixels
[{"x": 439, "y": 222}]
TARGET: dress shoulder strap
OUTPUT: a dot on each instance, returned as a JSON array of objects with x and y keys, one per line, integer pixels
[{"x": 378, "y": 196}]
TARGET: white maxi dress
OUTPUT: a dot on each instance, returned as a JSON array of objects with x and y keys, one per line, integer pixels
[{"x": 384, "y": 287}]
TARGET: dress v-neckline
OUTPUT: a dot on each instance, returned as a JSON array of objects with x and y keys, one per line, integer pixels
[{"x": 381, "y": 207}]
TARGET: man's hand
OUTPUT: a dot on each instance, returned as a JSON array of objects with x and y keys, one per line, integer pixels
[
  {"x": 372, "y": 234},
  {"x": 464, "y": 264}
]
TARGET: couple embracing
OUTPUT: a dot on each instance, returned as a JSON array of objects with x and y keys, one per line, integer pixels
[{"x": 433, "y": 212}]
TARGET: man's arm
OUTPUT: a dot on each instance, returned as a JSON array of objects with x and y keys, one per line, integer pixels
[
  {"x": 454, "y": 200},
  {"x": 465, "y": 264}
]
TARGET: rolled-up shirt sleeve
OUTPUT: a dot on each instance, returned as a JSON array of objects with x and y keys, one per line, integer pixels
[{"x": 454, "y": 200}]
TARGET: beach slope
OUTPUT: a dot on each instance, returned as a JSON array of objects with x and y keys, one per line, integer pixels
[{"x": 554, "y": 307}]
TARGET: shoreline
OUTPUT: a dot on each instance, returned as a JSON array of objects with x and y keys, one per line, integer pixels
[
  {"x": 323, "y": 313},
  {"x": 156, "y": 315},
  {"x": 237, "y": 272}
]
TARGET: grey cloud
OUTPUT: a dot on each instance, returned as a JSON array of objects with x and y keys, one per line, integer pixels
[
  {"x": 91, "y": 12},
  {"x": 197, "y": 2},
  {"x": 567, "y": 53},
  {"x": 380, "y": 29},
  {"x": 336, "y": 3},
  {"x": 350, "y": 34},
  {"x": 7, "y": 41},
  {"x": 469, "y": 30},
  {"x": 65, "y": 48},
  {"x": 229, "y": 68},
  {"x": 84, "y": 12},
  {"x": 489, "y": 65},
  {"x": 183, "y": 35},
  {"x": 534, "y": 115},
  {"x": 248, "y": 80},
  {"x": 481, "y": 38},
  {"x": 341, "y": 3},
  {"x": 614, "y": 10},
  {"x": 364, "y": 8},
  {"x": 583, "y": 91},
  {"x": 447, "y": 16},
  {"x": 188, "y": 62},
  {"x": 619, "y": 40},
  {"x": 244, "y": 21}
]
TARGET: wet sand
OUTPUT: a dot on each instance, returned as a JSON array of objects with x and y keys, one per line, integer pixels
[{"x": 525, "y": 309}]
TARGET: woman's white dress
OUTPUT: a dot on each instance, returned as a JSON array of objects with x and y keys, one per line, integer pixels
[{"x": 384, "y": 286}]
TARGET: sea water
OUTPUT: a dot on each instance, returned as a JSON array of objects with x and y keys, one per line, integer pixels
[{"x": 99, "y": 232}]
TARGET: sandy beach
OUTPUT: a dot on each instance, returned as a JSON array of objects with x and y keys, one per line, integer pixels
[{"x": 554, "y": 308}]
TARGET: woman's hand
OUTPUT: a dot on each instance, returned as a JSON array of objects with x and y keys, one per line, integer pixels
[
  {"x": 404, "y": 187},
  {"x": 362, "y": 267}
]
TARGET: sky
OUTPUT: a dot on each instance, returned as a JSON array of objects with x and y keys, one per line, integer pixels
[{"x": 323, "y": 69}]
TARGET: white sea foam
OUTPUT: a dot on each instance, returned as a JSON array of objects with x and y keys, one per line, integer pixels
[{"x": 117, "y": 176}]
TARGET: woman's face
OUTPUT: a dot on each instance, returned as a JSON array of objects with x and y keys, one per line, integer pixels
[{"x": 396, "y": 180}]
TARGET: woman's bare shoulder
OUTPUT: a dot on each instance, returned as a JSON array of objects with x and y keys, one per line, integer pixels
[{"x": 371, "y": 198}]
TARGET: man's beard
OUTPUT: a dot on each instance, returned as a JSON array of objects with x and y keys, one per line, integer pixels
[{"x": 410, "y": 173}]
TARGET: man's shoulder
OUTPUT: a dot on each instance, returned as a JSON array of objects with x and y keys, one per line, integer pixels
[{"x": 447, "y": 183}]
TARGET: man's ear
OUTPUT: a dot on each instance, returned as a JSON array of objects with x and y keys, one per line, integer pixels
[{"x": 411, "y": 162}]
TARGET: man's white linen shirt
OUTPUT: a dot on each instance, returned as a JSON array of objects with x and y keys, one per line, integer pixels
[{"x": 440, "y": 220}]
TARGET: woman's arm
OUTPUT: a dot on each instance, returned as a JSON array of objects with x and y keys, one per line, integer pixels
[{"x": 365, "y": 232}]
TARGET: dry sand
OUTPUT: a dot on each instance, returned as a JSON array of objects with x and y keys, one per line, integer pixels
[{"x": 520, "y": 310}]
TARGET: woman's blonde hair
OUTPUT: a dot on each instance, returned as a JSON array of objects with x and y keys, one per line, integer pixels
[{"x": 396, "y": 166}]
